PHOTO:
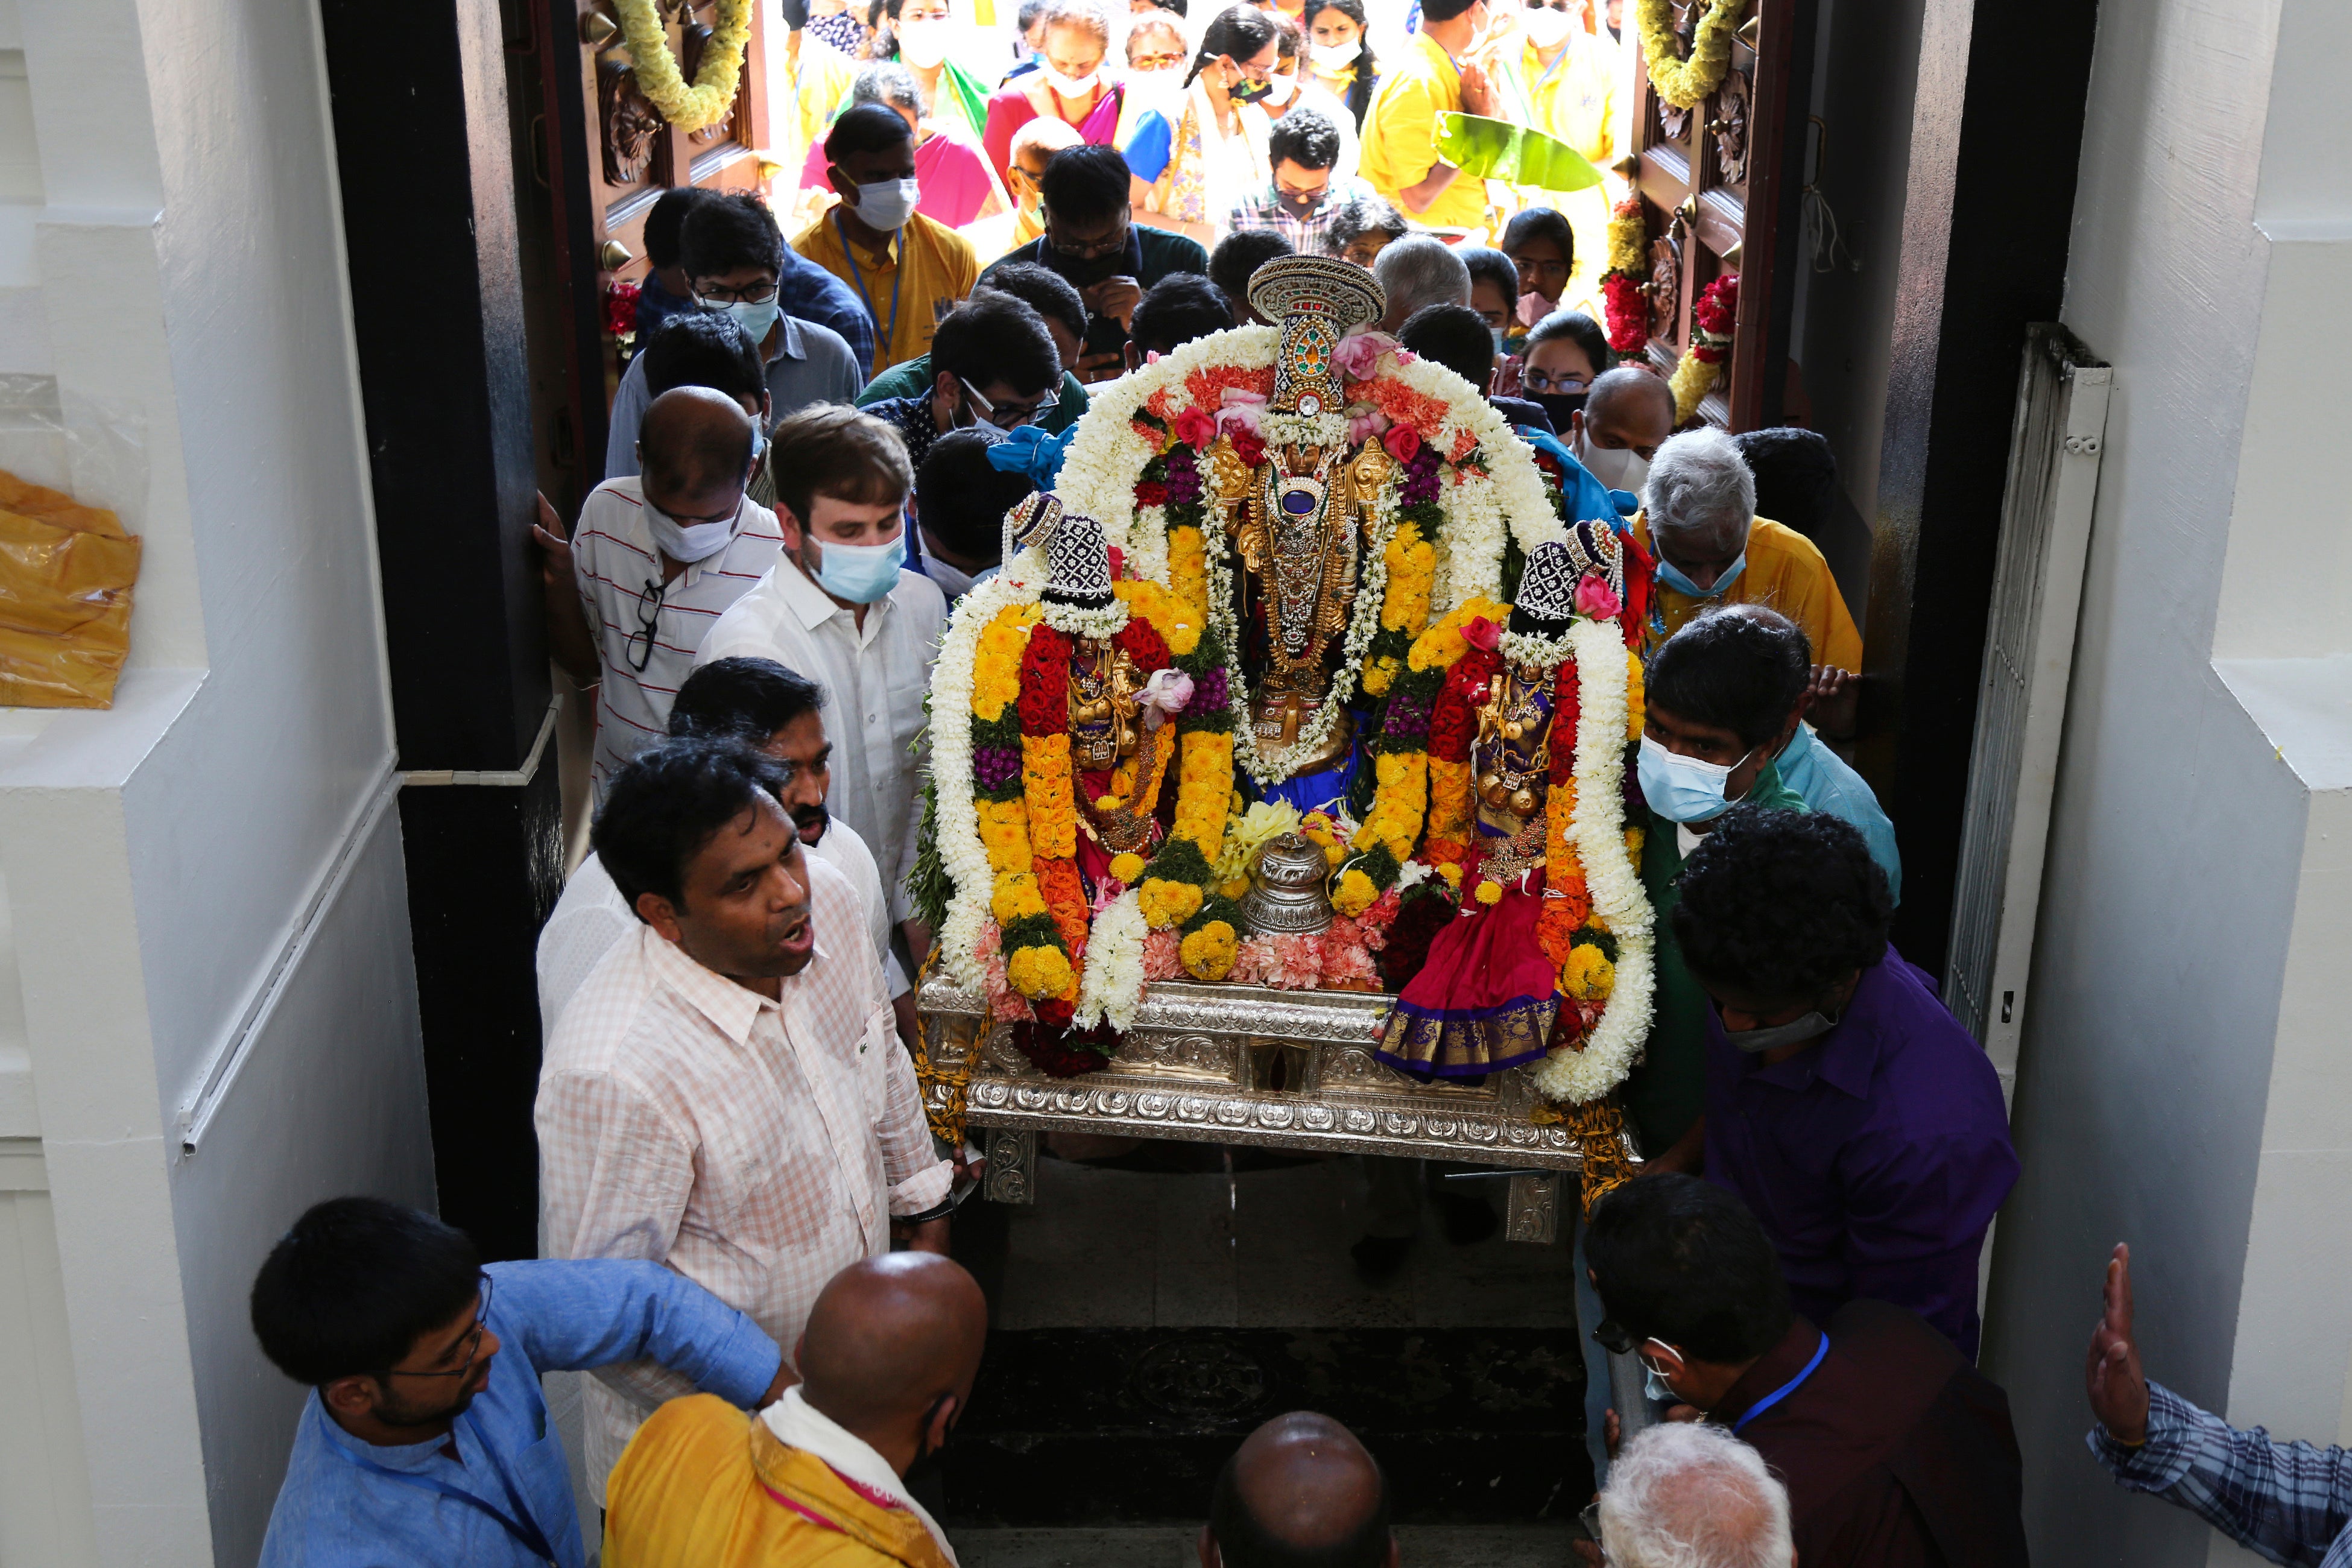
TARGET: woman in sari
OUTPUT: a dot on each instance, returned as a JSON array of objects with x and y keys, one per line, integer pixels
[
  {"x": 1340, "y": 54},
  {"x": 1193, "y": 159},
  {"x": 920, "y": 35},
  {"x": 1070, "y": 84}
]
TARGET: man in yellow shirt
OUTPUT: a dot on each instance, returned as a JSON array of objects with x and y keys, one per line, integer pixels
[
  {"x": 1562, "y": 81},
  {"x": 888, "y": 1358},
  {"x": 907, "y": 270},
  {"x": 1435, "y": 75},
  {"x": 1698, "y": 521}
]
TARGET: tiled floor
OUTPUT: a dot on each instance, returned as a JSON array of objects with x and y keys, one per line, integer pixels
[{"x": 1110, "y": 1249}]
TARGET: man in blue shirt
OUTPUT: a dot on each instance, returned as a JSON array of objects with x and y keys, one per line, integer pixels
[{"x": 425, "y": 1440}]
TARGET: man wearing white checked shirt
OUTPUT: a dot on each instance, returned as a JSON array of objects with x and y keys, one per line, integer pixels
[{"x": 726, "y": 1094}]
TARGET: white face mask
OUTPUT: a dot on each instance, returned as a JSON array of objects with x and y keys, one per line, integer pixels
[
  {"x": 1619, "y": 468},
  {"x": 1546, "y": 27},
  {"x": 1279, "y": 91},
  {"x": 1337, "y": 56},
  {"x": 692, "y": 541},
  {"x": 1071, "y": 86},
  {"x": 925, "y": 43},
  {"x": 886, "y": 205}
]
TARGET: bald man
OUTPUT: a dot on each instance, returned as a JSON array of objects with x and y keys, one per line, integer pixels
[
  {"x": 818, "y": 1478},
  {"x": 1301, "y": 1492},
  {"x": 658, "y": 554},
  {"x": 1627, "y": 415}
]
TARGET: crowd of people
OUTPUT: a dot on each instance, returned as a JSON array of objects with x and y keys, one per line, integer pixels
[{"x": 745, "y": 1215}]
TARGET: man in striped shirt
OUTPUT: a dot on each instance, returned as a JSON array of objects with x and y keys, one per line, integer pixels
[{"x": 654, "y": 560}]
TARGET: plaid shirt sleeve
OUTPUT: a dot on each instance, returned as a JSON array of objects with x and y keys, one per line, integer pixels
[{"x": 2288, "y": 1501}]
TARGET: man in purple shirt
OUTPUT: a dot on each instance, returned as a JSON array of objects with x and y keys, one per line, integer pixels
[{"x": 1861, "y": 1123}]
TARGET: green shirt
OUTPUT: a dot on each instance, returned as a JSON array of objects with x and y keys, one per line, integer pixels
[
  {"x": 1668, "y": 1091},
  {"x": 914, "y": 378}
]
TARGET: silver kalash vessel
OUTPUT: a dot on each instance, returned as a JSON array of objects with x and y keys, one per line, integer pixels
[{"x": 1286, "y": 895}]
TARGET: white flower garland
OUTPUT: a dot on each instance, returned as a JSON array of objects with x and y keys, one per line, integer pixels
[
  {"x": 1110, "y": 985},
  {"x": 1575, "y": 1077},
  {"x": 1104, "y": 623},
  {"x": 1535, "y": 650},
  {"x": 958, "y": 823}
]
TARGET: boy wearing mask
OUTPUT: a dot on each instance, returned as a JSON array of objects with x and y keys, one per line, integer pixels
[{"x": 907, "y": 270}]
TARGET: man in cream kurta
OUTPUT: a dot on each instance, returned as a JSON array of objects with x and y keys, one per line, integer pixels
[{"x": 756, "y": 1147}]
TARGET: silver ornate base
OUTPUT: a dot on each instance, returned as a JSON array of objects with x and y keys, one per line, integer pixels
[{"x": 1242, "y": 1064}]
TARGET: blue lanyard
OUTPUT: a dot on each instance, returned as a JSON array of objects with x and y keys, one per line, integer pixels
[
  {"x": 1785, "y": 1390},
  {"x": 526, "y": 1532},
  {"x": 897, "y": 277}
]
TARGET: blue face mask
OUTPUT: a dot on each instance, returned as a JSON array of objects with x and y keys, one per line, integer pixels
[
  {"x": 757, "y": 318},
  {"x": 1671, "y": 576},
  {"x": 1680, "y": 788},
  {"x": 860, "y": 574}
]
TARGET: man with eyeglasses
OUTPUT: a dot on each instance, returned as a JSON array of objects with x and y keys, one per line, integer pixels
[
  {"x": 654, "y": 561},
  {"x": 424, "y": 1441},
  {"x": 1091, "y": 240},
  {"x": 992, "y": 362},
  {"x": 1896, "y": 1452},
  {"x": 812, "y": 334}
]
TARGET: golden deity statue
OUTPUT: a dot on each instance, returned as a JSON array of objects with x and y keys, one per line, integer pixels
[{"x": 1297, "y": 524}]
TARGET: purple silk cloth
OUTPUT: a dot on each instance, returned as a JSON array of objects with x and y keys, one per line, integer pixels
[{"x": 1875, "y": 1158}]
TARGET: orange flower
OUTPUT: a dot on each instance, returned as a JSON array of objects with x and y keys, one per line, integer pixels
[{"x": 1065, "y": 901}]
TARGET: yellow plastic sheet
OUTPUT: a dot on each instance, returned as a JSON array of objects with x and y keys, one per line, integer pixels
[{"x": 66, "y": 572}]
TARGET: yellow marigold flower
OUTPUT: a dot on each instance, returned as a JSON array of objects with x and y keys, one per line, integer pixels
[
  {"x": 1237, "y": 888},
  {"x": 1380, "y": 674},
  {"x": 1355, "y": 895},
  {"x": 1208, "y": 953},
  {"x": 1108, "y": 802},
  {"x": 1333, "y": 854},
  {"x": 1165, "y": 902},
  {"x": 1489, "y": 893},
  {"x": 1452, "y": 871},
  {"x": 1634, "y": 837},
  {"x": 1004, "y": 829},
  {"x": 1635, "y": 699},
  {"x": 1588, "y": 976},
  {"x": 1016, "y": 894},
  {"x": 1038, "y": 972},
  {"x": 1127, "y": 867}
]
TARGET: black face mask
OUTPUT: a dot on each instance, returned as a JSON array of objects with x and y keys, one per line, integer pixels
[
  {"x": 1248, "y": 91},
  {"x": 1302, "y": 206},
  {"x": 1558, "y": 405}
]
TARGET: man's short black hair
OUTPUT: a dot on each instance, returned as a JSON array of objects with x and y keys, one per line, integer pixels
[
  {"x": 355, "y": 1284},
  {"x": 1358, "y": 216},
  {"x": 1306, "y": 137},
  {"x": 1489, "y": 265},
  {"x": 1779, "y": 906},
  {"x": 1680, "y": 1260},
  {"x": 670, "y": 800},
  {"x": 723, "y": 233},
  {"x": 1176, "y": 310},
  {"x": 704, "y": 348},
  {"x": 1244, "y": 1541},
  {"x": 748, "y": 698},
  {"x": 993, "y": 337},
  {"x": 1537, "y": 223},
  {"x": 1579, "y": 328},
  {"x": 1733, "y": 668},
  {"x": 1455, "y": 336},
  {"x": 1443, "y": 10},
  {"x": 1044, "y": 291},
  {"x": 866, "y": 128},
  {"x": 1236, "y": 261},
  {"x": 961, "y": 498},
  {"x": 666, "y": 222},
  {"x": 1085, "y": 185}
]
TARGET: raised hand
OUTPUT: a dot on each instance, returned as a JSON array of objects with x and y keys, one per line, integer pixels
[{"x": 2112, "y": 1375}]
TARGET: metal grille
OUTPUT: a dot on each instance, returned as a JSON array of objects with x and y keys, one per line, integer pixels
[{"x": 2062, "y": 406}]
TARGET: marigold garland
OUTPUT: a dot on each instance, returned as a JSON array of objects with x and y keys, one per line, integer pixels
[
  {"x": 1686, "y": 82},
  {"x": 712, "y": 96},
  {"x": 1713, "y": 317},
  {"x": 1622, "y": 299}
]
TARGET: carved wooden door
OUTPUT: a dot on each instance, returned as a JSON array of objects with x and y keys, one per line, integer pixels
[
  {"x": 1719, "y": 196},
  {"x": 634, "y": 154}
]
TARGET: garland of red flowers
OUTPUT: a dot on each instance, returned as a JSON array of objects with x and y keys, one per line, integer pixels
[
  {"x": 1713, "y": 316},
  {"x": 1623, "y": 301},
  {"x": 1047, "y": 785}
]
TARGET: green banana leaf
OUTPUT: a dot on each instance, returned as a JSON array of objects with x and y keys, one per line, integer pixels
[{"x": 1498, "y": 150}]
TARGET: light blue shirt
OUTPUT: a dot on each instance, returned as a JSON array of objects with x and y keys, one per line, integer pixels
[
  {"x": 813, "y": 365},
  {"x": 1821, "y": 778},
  {"x": 339, "y": 1509}
]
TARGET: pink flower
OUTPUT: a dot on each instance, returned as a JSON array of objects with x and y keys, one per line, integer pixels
[
  {"x": 1595, "y": 598},
  {"x": 1483, "y": 634},
  {"x": 1377, "y": 920},
  {"x": 1406, "y": 356},
  {"x": 1161, "y": 959},
  {"x": 1371, "y": 422},
  {"x": 1290, "y": 963},
  {"x": 1196, "y": 430},
  {"x": 1166, "y": 693},
  {"x": 1360, "y": 355},
  {"x": 1240, "y": 409},
  {"x": 1118, "y": 561},
  {"x": 1403, "y": 441},
  {"x": 1346, "y": 964}
]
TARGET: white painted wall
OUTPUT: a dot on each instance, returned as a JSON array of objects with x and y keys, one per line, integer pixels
[
  {"x": 205, "y": 883},
  {"x": 2183, "y": 1083}
]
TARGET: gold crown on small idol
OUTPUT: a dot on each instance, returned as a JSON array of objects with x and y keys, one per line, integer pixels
[{"x": 1318, "y": 299}]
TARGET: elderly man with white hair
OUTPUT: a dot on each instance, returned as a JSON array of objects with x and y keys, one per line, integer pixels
[
  {"x": 1685, "y": 1495},
  {"x": 1698, "y": 521},
  {"x": 1419, "y": 269}
]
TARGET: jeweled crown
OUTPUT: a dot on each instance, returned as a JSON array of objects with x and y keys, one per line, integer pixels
[
  {"x": 1077, "y": 562},
  {"x": 1548, "y": 587},
  {"x": 1318, "y": 299}
]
